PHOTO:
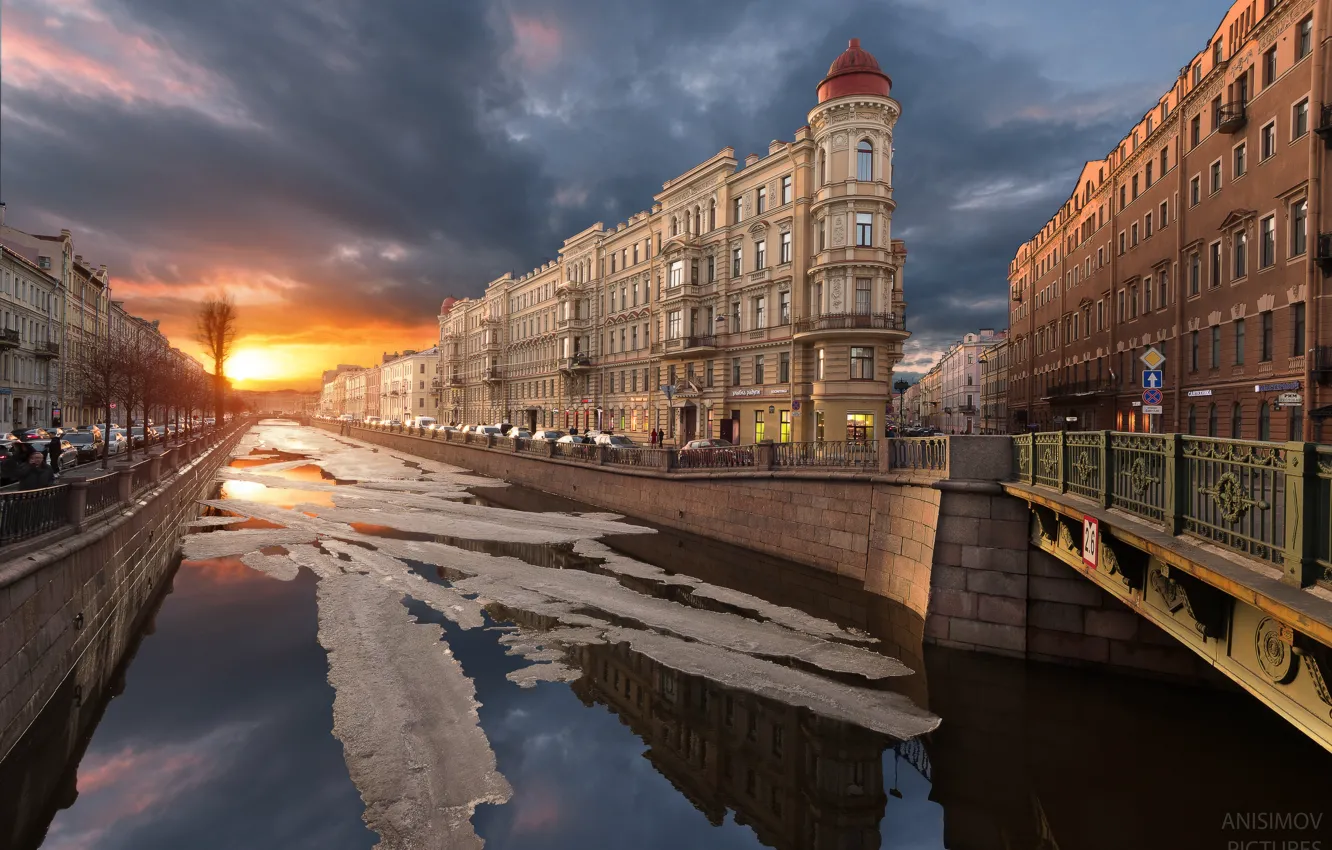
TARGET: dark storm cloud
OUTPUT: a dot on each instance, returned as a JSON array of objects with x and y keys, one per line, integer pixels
[{"x": 339, "y": 153}]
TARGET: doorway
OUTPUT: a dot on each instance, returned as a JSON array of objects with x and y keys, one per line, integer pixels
[{"x": 689, "y": 417}]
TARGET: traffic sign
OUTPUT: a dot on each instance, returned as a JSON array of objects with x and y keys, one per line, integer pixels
[
  {"x": 1152, "y": 408},
  {"x": 1152, "y": 379},
  {"x": 1151, "y": 396},
  {"x": 1152, "y": 358},
  {"x": 1091, "y": 534}
]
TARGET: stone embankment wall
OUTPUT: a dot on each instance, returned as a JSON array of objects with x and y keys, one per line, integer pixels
[
  {"x": 875, "y": 531},
  {"x": 954, "y": 549},
  {"x": 69, "y": 608}
]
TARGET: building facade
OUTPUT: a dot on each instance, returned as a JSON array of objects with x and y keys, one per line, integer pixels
[
  {"x": 29, "y": 343},
  {"x": 960, "y": 382},
  {"x": 994, "y": 388},
  {"x": 407, "y": 385},
  {"x": 1198, "y": 235},
  {"x": 762, "y": 302}
]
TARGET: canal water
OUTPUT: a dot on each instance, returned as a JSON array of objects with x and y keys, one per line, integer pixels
[{"x": 362, "y": 648}]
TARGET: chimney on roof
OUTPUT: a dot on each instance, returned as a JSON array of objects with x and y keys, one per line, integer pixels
[
  {"x": 78, "y": 258},
  {"x": 751, "y": 159},
  {"x": 2, "y": 213}
]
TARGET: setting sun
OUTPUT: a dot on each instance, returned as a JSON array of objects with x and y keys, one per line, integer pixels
[{"x": 250, "y": 364}]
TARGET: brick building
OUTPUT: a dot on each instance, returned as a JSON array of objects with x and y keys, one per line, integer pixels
[{"x": 1199, "y": 235}]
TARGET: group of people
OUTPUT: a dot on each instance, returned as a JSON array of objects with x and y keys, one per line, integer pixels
[{"x": 28, "y": 466}]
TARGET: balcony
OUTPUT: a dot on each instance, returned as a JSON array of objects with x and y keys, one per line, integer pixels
[
  {"x": 576, "y": 364},
  {"x": 457, "y": 381},
  {"x": 48, "y": 350},
  {"x": 967, "y": 409},
  {"x": 830, "y": 322},
  {"x": 1231, "y": 117},
  {"x": 9, "y": 338},
  {"x": 1324, "y": 128},
  {"x": 578, "y": 323},
  {"x": 493, "y": 374},
  {"x": 689, "y": 346}
]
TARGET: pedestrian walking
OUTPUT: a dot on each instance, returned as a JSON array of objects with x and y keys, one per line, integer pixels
[
  {"x": 15, "y": 464},
  {"x": 53, "y": 453}
]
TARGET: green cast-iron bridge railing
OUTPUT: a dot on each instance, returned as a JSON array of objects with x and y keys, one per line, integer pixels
[{"x": 1268, "y": 501}]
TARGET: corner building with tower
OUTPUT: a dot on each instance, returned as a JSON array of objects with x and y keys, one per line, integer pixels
[
  {"x": 749, "y": 303},
  {"x": 1200, "y": 235}
]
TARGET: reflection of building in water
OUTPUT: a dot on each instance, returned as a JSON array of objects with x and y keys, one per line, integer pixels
[{"x": 797, "y": 779}]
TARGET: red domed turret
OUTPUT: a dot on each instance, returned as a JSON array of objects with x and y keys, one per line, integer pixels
[
  {"x": 854, "y": 72},
  {"x": 447, "y": 305}
]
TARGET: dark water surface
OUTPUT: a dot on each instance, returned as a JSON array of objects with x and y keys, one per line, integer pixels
[{"x": 222, "y": 737}]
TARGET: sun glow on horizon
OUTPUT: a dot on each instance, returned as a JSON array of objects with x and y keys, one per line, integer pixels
[{"x": 251, "y": 364}]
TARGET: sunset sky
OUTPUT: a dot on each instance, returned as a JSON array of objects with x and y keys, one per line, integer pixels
[{"x": 340, "y": 166}]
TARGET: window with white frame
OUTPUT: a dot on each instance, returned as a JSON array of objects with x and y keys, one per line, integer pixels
[
  {"x": 674, "y": 325},
  {"x": 677, "y": 278},
  {"x": 1267, "y": 141},
  {"x": 864, "y": 229},
  {"x": 760, "y": 254},
  {"x": 786, "y": 248},
  {"x": 1267, "y": 242}
]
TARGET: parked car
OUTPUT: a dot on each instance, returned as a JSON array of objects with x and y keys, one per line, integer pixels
[
  {"x": 8, "y": 437},
  {"x": 576, "y": 439},
  {"x": 615, "y": 441},
  {"x": 547, "y": 435},
  {"x": 705, "y": 444},
  {"x": 90, "y": 429},
  {"x": 120, "y": 436},
  {"x": 485, "y": 430},
  {"x": 69, "y": 455},
  {"x": 518, "y": 434},
  {"x": 87, "y": 444},
  {"x": 394, "y": 423},
  {"x": 423, "y": 421},
  {"x": 31, "y": 434}
]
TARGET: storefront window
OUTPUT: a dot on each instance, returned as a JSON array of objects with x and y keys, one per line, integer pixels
[
  {"x": 758, "y": 426},
  {"x": 785, "y": 426},
  {"x": 859, "y": 427}
]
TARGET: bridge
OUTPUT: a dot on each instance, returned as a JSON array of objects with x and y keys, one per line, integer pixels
[{"x": 1177, "y": 555}]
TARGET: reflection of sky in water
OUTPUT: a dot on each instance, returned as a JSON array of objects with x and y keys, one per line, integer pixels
[
  {"x": 222, "y": 738},
  {"x": 282, "y": 497}
]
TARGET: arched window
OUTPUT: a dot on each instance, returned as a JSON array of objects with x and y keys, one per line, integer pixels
[
  {"x": 1236, "y": 421},
  {"x": 698, "y": 221},
  {"x": 1193, "y": 419},
  {"x": 675, "y": 225},
  {"x": 712, "y": 215},
  {"x": 1264, "y": 422},
  {"x": 865, "y": 161},
  {"x": 1211, "y": 420},
  {"x": 823, "y": 168}
]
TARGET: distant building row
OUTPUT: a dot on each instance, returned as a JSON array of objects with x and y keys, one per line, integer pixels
[
  {"x": 54, "y": 307},
  {"x": 952, "y": 396}
]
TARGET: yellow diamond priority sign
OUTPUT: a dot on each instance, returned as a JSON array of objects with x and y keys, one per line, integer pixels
[{"x": 1152, "y": 358}]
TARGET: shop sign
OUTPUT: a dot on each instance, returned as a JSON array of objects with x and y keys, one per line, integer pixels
[
  {"x": 746, "y": 392},
  {"x": 1290, "y": 399},
  {"x": 1276, "y": 388},
  {"x": 1199, "y": 393},
  {"x": 1137, "y": 404}
]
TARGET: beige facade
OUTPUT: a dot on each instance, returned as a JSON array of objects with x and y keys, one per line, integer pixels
[
  {"x": 762, "y": 302},
  {"x": 1199, "y": 234},
  {"x": 994, "y": 388}
]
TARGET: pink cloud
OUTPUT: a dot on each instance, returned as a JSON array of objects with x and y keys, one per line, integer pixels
[
  {"x": 136, "y": 781},
  {"x": 537, "y": 44},
  {"x": 77, "y": 49}
]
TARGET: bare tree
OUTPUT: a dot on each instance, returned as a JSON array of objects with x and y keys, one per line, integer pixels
[
  {"x": 216, "y": 331},
  {"x": 96, "y": 369}
]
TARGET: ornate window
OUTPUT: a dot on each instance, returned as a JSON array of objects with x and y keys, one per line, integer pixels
[{"x": 865, "y": 161}]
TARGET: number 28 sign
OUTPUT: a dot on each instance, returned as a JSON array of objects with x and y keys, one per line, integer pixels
[{"x": 1091, "y": 536}]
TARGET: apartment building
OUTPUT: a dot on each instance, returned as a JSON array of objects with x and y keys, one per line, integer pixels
[
  {"x": 749, "y": 303},
  {"x": 994, "y": 388},
  {"x": 1199, "y": 235},
  {"x": 407, "y": 385}
]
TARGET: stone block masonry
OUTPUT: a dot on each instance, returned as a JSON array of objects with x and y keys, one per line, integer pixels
[{"x": 68, "y": 611}]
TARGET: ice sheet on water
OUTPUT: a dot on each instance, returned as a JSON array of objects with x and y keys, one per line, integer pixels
[
  {"x": 407, "y": 718},
  {"x": 279, "y": 567},
  {"x": 222, "y": 544}
]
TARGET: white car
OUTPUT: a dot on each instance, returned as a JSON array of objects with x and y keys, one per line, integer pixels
[
  {"x": 519, "y": 434},
  {"x": 615, "y": 441},
  {"x": 485, "y": 430},
  {"x": 576, "y": 439},
  {"x": 547, "y": 436}
]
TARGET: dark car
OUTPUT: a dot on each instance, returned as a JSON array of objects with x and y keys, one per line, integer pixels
[
  {"x": 88, "y": 444},
  {"x": 142, "y": 436},
  {"x": 38, "y": 434}
]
